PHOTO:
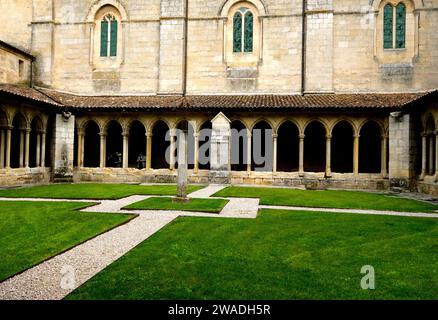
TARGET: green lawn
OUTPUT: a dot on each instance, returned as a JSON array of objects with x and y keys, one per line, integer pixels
[
  {"x": 328, "y": 199},
  {"x": 34, "y": 231},
  {"x": 196, "y": 205},
  {"x": 91, "y": 191},
  {"x": 279, "y": 255}
]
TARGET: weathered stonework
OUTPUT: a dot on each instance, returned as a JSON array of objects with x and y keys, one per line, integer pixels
[{"x": 62, "y": 147}]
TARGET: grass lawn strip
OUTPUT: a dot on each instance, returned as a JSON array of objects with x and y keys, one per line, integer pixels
[
  {"x": 93, "y": 191},
  {"x": 280, "y": 255},
  {"x": 168, "y": 204},
  {"x": 329, "y": 199},
  {"x": 32, "y": 232}
]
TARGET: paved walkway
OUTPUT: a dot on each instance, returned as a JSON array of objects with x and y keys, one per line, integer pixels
[{"x": 48, "y": 279}]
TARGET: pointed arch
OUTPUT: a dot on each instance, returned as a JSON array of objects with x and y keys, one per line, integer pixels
[
  {"x": 239, "y": 146},
  {"x": 137, "y": 144},
  {"x": 315, "y": 146},
  {"x": 370, "y": 154},
  {"x": 19, "y": 126},
  {"x": 342, "y": 147},
  {"x": 288, "y": 146},
  {"x": 262, "y": 146},
  {"x": 91, "y": 150},
  {"x": 160, "y": 130}
]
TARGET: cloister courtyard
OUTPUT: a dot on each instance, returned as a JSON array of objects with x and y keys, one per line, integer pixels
[{"x": 133, "y": 241}]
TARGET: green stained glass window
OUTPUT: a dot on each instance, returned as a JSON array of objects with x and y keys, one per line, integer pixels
[
  {"x": 388, "y": 24},
  {"x": 113, "y": 42},
  {"x": 108, "y": 36},
  {"x": 400, "y": 27},
  {"x": 237, "y": 32},
  {"x": 248, "y": 33},
  {"x": 104, "y": 38}
]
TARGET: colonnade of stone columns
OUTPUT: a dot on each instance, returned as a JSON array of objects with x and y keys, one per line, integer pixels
[
  {"x": 429, "y": 155},
  {"x": 301, "y": 169},
  {"x": 328, "y": 170},
  {"x": 5, "y": 147},
  {"x": 24, "y": 148}
]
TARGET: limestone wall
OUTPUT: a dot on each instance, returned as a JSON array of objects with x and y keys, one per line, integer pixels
[
  {"x": 14, "y": 67},
  {"x": 344, "y": 50},
  {"x": 24, "y": 176},
  {"x": 16, "y": 16}
]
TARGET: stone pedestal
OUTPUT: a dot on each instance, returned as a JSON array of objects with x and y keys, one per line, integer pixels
[
  {"x": 220, "y": 152},
  {"x": 402, "y": 151},
  {"x": 62, "y": 148}
]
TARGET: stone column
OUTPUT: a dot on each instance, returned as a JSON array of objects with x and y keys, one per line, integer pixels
[
  {"x": 356, "y": 154},
  {"x": 21, "y": 159},
  {"x": 431, "y": 153},
  {"x": 148, "y": 151},
  {"x": 328, "y": 156},
  {"x": 220, "y": 150},
  {"x": 83, "y": 150},
  {"x": 182, "y": 178},
  {"x": 301, "y": 155},
  {"x": 125, "y": 149},
  {"x": 403, "y": 151},
  {"x": 102, "y": 149},
  {"x": 26, "y": 148},
  {"x": 436, "y": 156},
  {"x": 274, "y": 153},
  {"x": 80, "y": 148},
  {"x": 423, "y": 156},
  {"x": 2, "y": 148},
  {"x": 248, "y": 151},
  {"x": 196, "y": 156},
  {"x": 8, "y": 148},
  {"x": 43, "y": 149},
  {"x": 172, "y": 150},
  {"x": 38, "y": 150},
  {"x": 384, "y": 157}
]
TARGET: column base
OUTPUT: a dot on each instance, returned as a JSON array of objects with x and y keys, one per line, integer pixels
[{"x": 220, "y": 177}]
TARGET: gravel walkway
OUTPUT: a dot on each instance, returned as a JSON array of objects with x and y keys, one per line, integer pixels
[{"x": 207, "y": 192}]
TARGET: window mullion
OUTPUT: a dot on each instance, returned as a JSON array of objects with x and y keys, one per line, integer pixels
[
  {"x": 108, "y": 46},
  {"x": 243, "y": 33},
  {"x": 394, "y": 25}
]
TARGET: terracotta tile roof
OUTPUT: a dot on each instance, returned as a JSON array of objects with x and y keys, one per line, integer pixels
[
  {"x": 119, "y": 102},
  {"x": 316, "y": 101},
  {"x": 207, "y": 102},
  {"x": 27, "y": 93}
]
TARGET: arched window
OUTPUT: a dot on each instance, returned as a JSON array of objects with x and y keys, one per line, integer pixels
[
  {"x": 108, "y": 36},
  {"x": 394, "y": 26},
  {"x": 243, "y": 31}
]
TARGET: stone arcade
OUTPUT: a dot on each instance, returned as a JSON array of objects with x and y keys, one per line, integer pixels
[{"x": 345, "y": 91}]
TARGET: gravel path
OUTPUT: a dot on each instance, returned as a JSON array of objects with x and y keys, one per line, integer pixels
[{"x": 207, "y": 192}]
